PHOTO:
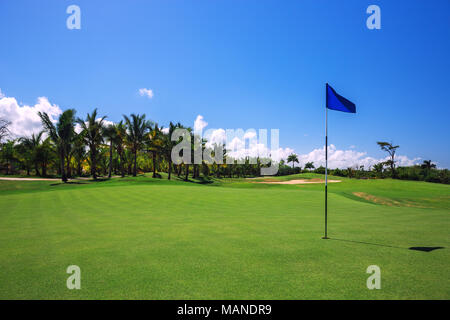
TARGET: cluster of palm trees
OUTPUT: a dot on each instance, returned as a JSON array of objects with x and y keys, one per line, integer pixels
[
  {"x": 122, "y": 141},
  {"x": 293, "y": 158},
  {"x": 73, "y": 146}
]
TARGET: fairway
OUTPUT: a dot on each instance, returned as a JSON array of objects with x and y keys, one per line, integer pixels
[{"x": 144, "y": 238}]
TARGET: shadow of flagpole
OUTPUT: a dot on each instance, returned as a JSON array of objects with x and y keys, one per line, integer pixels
[{"x": 424, "y": 249}]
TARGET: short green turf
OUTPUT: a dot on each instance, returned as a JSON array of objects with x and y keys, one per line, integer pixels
[{"x": 144, "y": 238}]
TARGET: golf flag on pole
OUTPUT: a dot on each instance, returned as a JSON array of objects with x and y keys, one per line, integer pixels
[{"x": 337, "y": 102}]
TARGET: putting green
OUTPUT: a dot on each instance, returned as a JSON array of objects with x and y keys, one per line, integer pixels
[{"x": 146, "y": 238}]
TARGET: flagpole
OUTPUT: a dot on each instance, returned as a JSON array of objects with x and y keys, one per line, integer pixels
[{"x": 326, "y": 162}]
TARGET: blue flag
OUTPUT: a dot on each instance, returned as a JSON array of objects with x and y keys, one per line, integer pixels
[{"x": 337, "y": 102}]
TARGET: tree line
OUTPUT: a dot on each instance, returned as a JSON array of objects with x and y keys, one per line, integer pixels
[
  {"x": 136, "y": 145},
  {"x": 132, "y": 146},
  {"x": 426, "y": 171}
]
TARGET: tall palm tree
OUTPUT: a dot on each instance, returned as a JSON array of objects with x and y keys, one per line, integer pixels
[
  {"x": 390, "y": 149},
  {"x": 154, "y": 142},
  {"x": 292, "y": 158},
  {"x": 79, "y": 151},
  {"x": 120, "y": 138},
  {"x": 110, "y": 133},
  {"x": 137, "y": 127},
  {"x": 92, "y": 130},
  {"x": 61, "y": 134},
  {"x": 168, "y": 145}
]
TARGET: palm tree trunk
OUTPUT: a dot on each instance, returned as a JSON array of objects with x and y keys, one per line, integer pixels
[
  {"x": 135, "y": 164},
  {"x": 68, "y": 167},
  {"x": 61, "y": 159},
  {"x": 154, "y": 163},
  {"x": 187, "y": 172},
  {"x": 170, "y": 168},
  {"x": 93, "y": 164},
  {"x": 110, "y": 158},
  {"x": 79, "y": 168},
  {"x": 37, "y": 169},
  {"x": 122, "y": 167}
]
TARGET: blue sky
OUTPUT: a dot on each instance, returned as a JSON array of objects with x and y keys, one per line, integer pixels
[{"x": 243, "y": 64}]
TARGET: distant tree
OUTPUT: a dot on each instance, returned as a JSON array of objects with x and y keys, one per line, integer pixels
[
  {"x": 350, "y": 172},
  {"x": 137, "y": 128},
  {"x": 92, "y": 132},
  {"x": 45, "y": 154},
  {"x": 378, "y": 168},
  {"x": 309, "y": 165},
  {"x": 61, "y": 134},
  {"x": 390, "y": 149},
  {"x": 292, "y": 158},
  {"x": 8, "y": 154},
  {"x": 427, "y": 164},
  {"x": 31, "y": 146},
  {"x": 4, "y": 124}
]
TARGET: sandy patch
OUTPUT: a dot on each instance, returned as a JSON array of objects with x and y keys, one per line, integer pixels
[
  {"x": 28, "y": 179},
  {"x": 49, "y": 179},
  {"x": 299, "y": 181},
  {"x": 386, "y": 201}
]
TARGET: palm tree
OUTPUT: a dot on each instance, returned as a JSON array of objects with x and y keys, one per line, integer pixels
[
  {"x": 427, "y": 164},
  {"x": 137, "y": 127},
  {"x": 309, "y": 165},
  {"x": 31, "y": 145},
  {"x": 45, "y": 154},
  {"x": 390, "y": 149},
  {"x": 378, "y": 168},
  {"x": 120, "y": 138},
  {"x": 110, "y": 134},
  {"x": 92, "y": 131},
  {"x": 79, "y": 152},
  {"x": 61, "y": 134},
  {"x": 154, "y": 141},
  {"x": 292, "y": 158},
  {"x": 168, "y": 145}
]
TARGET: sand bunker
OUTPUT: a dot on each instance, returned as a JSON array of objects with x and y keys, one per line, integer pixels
[{"x": 298, "y": 181}]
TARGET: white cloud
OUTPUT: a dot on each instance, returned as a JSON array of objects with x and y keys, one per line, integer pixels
[
  {"x": 24, "y": 118},
  {"x": 165, "y": 130},
  {"x": 199, "y": 124},
  {"x": 348, "y": 158},
  {"x": 240, "y": 146},
  {"x": 215, "y": 136},
  {"x": 146, "y": 92}
]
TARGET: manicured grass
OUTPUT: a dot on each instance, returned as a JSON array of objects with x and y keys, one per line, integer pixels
[{"x": 144, "y": 238}]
